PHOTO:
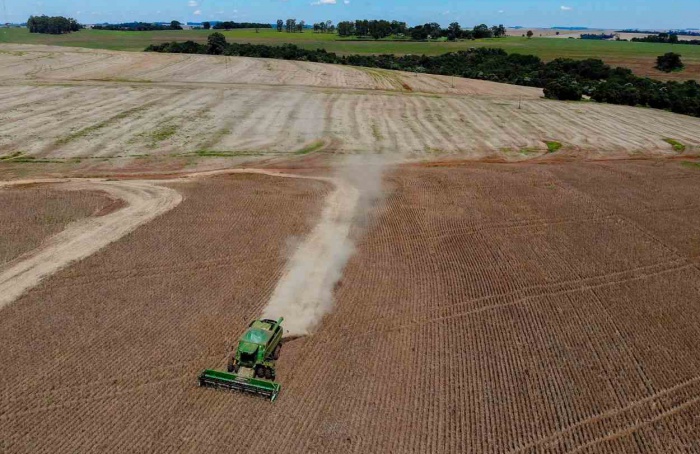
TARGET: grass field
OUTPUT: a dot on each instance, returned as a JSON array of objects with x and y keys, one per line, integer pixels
[{"x": 640, "y": 57}]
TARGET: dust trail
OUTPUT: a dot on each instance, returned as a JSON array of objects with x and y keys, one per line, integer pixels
[{"x": 305, "y": 292}]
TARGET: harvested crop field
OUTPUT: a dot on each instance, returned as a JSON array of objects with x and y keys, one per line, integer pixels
[
  {"x": 488, "y": 308},
  {"x": 32, "y": 214},
  {"x": 102, "y": 111}
]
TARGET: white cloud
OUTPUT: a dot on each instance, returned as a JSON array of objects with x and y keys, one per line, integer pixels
[
  {"x": 324, "y": 2},
  {"x": 192, "y": 3},
  {"x": 347, "y": 2},
  {"x": 500, "y": 11},
  {"x": 197, "y": 13},
  {"x": 566, "y": 8}
]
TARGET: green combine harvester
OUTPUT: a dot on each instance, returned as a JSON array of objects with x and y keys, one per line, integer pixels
[{"x": 251, "y": 368}]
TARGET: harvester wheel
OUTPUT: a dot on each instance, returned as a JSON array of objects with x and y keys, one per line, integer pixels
[
  {"x": 260, "y": 371},
  {"x": 276, "y": 353},
  {"x": 268, "y": 373},
  {"x": 231, "y": 367}
]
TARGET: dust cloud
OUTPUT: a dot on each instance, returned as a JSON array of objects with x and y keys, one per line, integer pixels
[{"x": 304, "y": 294}]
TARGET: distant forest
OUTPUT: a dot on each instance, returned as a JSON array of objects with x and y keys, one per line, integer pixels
[
  {"x": 138, "y": 26},
  {"x": 670, "y": 32},
  {"x": 228, "y": 25},
  {"x": 666, "y": 38},
  {"x": 381, "y": 29},
  {"x": 57, "y": 25},
  {"x": 597, "y": 36},
  {"x": 563, "y": 79}
]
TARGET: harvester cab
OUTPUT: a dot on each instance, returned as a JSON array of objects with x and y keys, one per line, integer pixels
[{"x": 251, "y": 367}]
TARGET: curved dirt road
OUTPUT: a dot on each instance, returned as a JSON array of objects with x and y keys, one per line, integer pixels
[
  {"x": 302, "y": 295},
  {"x": 145, "y": 201}
]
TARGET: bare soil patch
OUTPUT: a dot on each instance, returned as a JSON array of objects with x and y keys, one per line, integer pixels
[
  {"x": 480, "y": 295},
  {"x": 31, "y": 214},
  {"x": 146, "y": 314},
  {"x": 143, "y": 202}
]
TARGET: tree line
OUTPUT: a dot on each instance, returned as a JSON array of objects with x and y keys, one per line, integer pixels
[
  {"x": 679, "y": 32},
  {"x": 139, "y": 26},
  {"x": 597, "y": 36},
  {"x": 667, "y": 38},
  {"x": 291, "y": 25},
  {"x": 564, "y": 79},
  {"x": 57, "y": 25},
  {"x": 229, "y": 25},
  {"x": 379, "y": 29}
]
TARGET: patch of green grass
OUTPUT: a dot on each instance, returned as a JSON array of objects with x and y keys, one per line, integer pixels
[
  {"x": 691, "y": 164},
  {"x": 121, "y": 80},
  {"x": 11, "y": 156},
  {"x": 376, "y": 132},
  {"x": 677, "y": 146},
  {"x": 164, "y": 133},
  {"x": 20, "y": 156},
  {"x": 530, "y": 150},
  {"x": 311, "y": 148},
  {"x": 220, "y": 154},
  {"x": 96, "y": 127},
  {"x": 553, "y": 146}
]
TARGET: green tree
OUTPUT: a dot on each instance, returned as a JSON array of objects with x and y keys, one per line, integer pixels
[
  {"x": 498, "y": 31},
  {"x": 176, "y": 25},
  {"x": 482, "y": 31},
  {"x": 669, "y": 62},
  {"x": 280, "y": 25},
  {"x": 206, "y": 25},
  {"x": 454, "y": 31},
  {"x": 529, "y": 34},
  {"x": 564, "y": 88},
  {"x": 53, "y": 25},
  {"x": 216, "y": 44}
]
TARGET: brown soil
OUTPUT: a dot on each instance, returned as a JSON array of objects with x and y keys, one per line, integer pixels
[
  {"x": 489, "y": 308},
  {"x": 33, "y": 213},
  {"x": 145, "y": 315},
  {"x": 143, "y": 202}
]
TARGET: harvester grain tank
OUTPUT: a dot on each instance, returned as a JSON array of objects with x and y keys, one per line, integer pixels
[{"x": 251, "y": 368}]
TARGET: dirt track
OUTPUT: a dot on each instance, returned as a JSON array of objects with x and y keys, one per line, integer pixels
[
  {"x": 83, "y": 238},
  {"x": 30, "y": 214},
  {"x": 301, "y": 294}
]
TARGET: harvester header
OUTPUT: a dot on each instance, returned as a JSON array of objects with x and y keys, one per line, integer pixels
[{"x": 251, "y": 367}]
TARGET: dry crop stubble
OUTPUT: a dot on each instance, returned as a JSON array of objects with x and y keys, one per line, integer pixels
[{"x": 162, "y": 107}]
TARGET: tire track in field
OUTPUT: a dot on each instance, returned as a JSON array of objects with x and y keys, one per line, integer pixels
[{"x": 145, "y": 200}]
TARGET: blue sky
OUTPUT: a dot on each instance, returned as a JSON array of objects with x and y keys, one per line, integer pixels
[{"x": 536, "y": 13}]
